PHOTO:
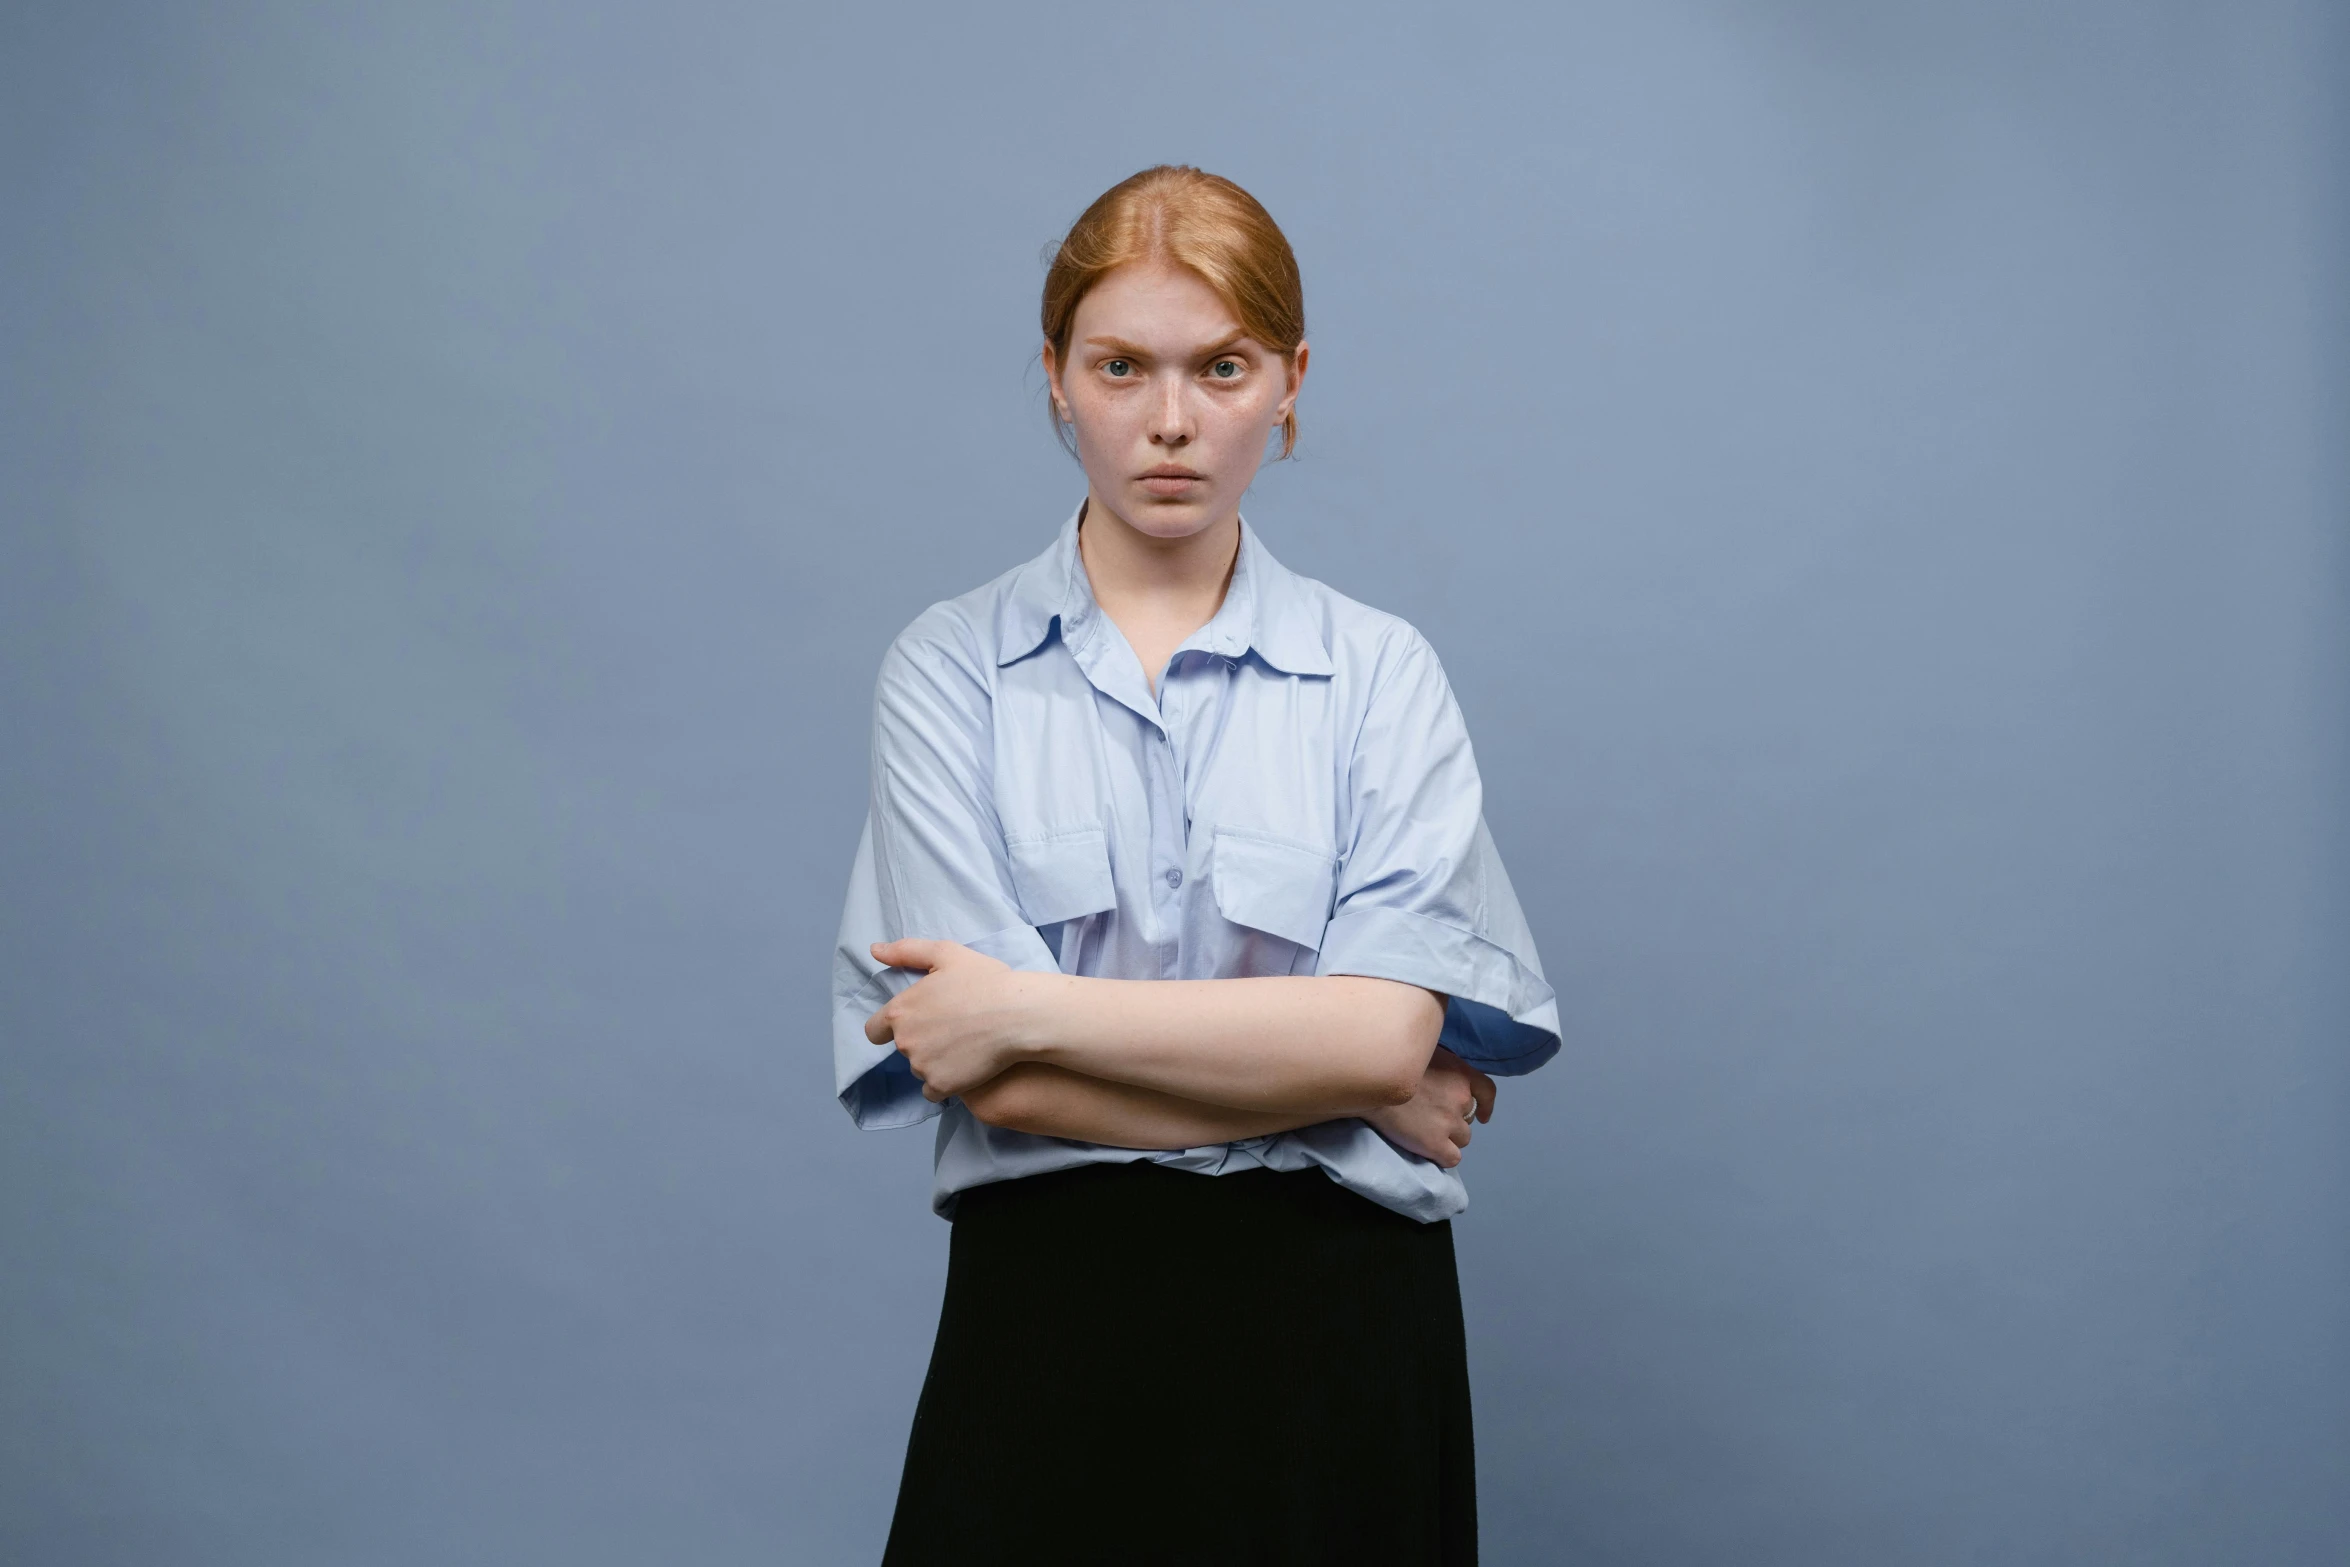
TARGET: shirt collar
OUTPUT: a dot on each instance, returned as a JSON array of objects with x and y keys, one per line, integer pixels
[{"x": 1263, "y": 610}]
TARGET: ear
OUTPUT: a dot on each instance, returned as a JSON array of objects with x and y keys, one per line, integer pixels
[
  {"x": 1297, "y": 379},
  {"x": 1052, "y": 381}
]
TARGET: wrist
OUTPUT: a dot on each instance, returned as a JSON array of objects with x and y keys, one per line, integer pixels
[{"x": 1037, "y": 1001}]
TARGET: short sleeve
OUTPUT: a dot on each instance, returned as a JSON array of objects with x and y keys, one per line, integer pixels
[
  {"x": 1422, "y": 896},
  {"x": 930, "y": 862}
]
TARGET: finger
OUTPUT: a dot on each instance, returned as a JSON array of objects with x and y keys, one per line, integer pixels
[
  {"x": 1438, "y": 1151},
  {"x": 911, "y": 952},
  {"x": 1460, "y": 1132},
  {"x": 879, "y": 1028},
  {"x": 1483, "y": 1087},
  {"x": 934, "y": 1095}
]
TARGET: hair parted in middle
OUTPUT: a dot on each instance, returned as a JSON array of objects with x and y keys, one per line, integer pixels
[{"x": 1196, "y": 220}]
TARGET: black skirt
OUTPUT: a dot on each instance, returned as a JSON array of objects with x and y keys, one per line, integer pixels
[{"x": 1142, "y": 1365}]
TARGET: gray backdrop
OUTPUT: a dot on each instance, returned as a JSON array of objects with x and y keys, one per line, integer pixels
[{"x": 1874, "y": 472}]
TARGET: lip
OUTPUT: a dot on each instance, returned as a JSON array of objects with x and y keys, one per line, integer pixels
[{"x": 1169, "y": 478}]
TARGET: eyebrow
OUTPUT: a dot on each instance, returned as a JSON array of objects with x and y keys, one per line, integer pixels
[{"x": 1119, "y": 345}]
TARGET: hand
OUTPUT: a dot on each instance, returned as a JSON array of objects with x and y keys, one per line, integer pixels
[
  {"x": 959, "y": 1025},
  {"x": 1434, "y": 1123}
]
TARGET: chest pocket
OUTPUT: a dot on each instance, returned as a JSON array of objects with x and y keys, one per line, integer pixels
[
  {"x": 1274, "y": 885},
  {"x": 1063, "y": 876}
]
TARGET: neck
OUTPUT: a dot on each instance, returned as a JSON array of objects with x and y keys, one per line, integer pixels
[{"x": 1164, "y": 580}]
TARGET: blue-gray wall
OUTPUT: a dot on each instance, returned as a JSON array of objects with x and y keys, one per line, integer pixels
[{"x": 1874, "y": 472}]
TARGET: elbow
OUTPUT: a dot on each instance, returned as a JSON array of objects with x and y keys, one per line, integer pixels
[
  {"x": 1408, "y": 1046},
  {"x": 1397, "y": 1068},
  {"x": 1003, "y": 1102}
]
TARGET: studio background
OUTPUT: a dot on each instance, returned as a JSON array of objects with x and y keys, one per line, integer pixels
[{"x": 1874, "y": 473}]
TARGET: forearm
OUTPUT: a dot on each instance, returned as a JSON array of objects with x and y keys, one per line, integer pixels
[
  {"x": 1052, "y": 1101},
  {"x": 1308, "y": 1048}
]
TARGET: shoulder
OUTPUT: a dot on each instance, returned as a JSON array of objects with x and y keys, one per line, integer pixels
[
  {"x": 941, "y": 668},
  {"x": 955, "y": 636},
  {"x": 1369, "y": 647}
]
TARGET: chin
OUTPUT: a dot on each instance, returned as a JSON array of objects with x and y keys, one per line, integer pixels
[{"x": 1168, "y": 519}]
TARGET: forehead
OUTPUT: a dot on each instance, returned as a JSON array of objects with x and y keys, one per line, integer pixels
[{"x": 1154, "y": 305}]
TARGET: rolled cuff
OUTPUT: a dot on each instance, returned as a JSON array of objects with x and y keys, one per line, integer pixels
[
  {"x": 875, "y": 1085},
  {"x": 1502, "y": 1017}
]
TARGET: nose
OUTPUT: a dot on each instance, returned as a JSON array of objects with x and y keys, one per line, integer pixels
[{"x": 1171, "y": 418}]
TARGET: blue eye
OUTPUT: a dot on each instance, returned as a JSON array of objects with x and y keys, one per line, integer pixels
[
  {"x": 1118, "y": 367},
  {"x": 1224, "y": 369}
]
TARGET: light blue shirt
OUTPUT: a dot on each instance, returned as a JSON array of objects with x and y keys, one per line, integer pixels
[{"x": 1300, "y": 798}]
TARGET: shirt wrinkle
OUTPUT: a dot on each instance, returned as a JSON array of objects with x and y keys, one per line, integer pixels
[{"x": 1294, "y": 717}]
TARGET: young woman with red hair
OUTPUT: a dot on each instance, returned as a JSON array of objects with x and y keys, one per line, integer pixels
[{"x": 1175, "y": 903}]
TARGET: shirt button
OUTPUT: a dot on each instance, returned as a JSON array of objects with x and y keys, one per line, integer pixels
[{"x": 1174, "y": 878}]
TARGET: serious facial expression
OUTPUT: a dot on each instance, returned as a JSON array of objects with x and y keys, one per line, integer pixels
[{"x": 1170, "y": 400}]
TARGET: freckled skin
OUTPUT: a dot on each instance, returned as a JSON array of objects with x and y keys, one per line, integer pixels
[
  {"x": 1160, "y": 371},
  {"x": 1160, "y": 374}
]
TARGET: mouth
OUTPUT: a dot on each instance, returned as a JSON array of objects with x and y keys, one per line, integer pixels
[{"x": 1171, "y": 479}]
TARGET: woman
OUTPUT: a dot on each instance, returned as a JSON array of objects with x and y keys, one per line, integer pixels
[{"x": 1176, "y": 904}]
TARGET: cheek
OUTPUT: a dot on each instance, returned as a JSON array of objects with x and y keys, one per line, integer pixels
[
  {"x": 1103, "y": 420},
  {"x": 1240, "y": 422},
  {"x": 1102, "y": 433},
  {"x": 1254, "y": 410}
]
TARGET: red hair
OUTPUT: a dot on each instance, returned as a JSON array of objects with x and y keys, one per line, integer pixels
[{"x": 1199, "y": 221}]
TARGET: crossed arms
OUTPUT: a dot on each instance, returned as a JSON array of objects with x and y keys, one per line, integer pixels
[{"x": 1179, "y": 1063}]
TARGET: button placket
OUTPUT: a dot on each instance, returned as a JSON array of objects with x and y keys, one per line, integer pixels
[
  {"x": 1168, "y": 831},
  {"x": 1166, "y": 806}
]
